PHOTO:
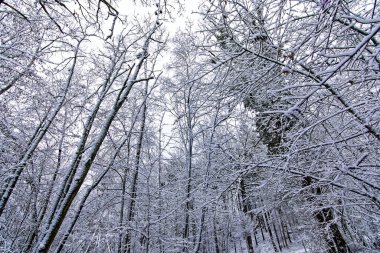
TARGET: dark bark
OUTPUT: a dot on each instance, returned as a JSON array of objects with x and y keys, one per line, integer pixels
[
  {"x": 86, "y": 195},
  {"x": 189, "y": 160},
  {"x": 277, "y": 237},
  {"x": 52, "y": 230},
  {"x": 325, "y": 217},
  {"x": 246, "y": 209},
  {"x": 217, "y": 250},
  {"x": 335, "y": 241},
  {"x": 37, "y": 137},
  {"x": 132, "y": 204},
  {"x": 270, "y": 233}
]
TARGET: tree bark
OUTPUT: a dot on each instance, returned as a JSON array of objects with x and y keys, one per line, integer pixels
[
  {"x": 132, "y": 204},
  {"x": 246, "y": 209},
  {"x": 45, "y": 242},
  {"x": 37, "y": 137},
  {"x": 325, "y": 217}
]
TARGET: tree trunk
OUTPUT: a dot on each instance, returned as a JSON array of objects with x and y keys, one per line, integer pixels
[
  {"x": 45, "y": 242},
  {"x": 44, "y": 207},
  {"x": 122, "y": 203},
  {"x": 334, "y": 238},
  {"x": 270, "y": 232},
  {"x": 132, "y": 204},
  {"x": 37, "y": 137},
  {"x": 188, "y": 165},
  {"x": 84, "y": 198},
  {"x": 246, "y": 209}
]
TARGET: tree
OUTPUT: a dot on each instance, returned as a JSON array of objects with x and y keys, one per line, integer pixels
[
  {"x": 305, "y": 98},
  {"x": 254, "y": 128}
]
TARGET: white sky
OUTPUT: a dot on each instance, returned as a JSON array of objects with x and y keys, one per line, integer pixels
[{"x": 179, "y": 19}]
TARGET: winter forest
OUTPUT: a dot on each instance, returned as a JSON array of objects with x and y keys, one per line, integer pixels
[{"x": 218, "y": 126}]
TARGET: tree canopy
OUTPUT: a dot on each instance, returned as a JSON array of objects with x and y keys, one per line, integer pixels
[{"x": 252, "y": 126}]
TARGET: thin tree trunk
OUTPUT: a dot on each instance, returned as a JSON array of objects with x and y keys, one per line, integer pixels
[
  {"x": 334, "y": 238},
  {"x": 42, "y": 213},
  {"x": 124, "y": 187},
  {"x": 270, "y": 232},
  {"x": 123, "y": 196},
  {"x": 189, "y": 157},
  {"x": 217, "y": 250},
  {"x": 85, "y": 196},
  {"x": 45, "y": 242},
  {"x": 39, "y": 134},
  {"x": 198, "y": 238},
  {"x": 246, "y": 209},
  {"x": 160, "y": 185},
  {"x": 283, "y": 233},
  {"x": 75, "y": 162},
  {"x": 132, "y": 204},
  {"x": 262, "y": 226},
  {"x": 276, "y": 234},
  {"x": 34, "y": 216}
]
